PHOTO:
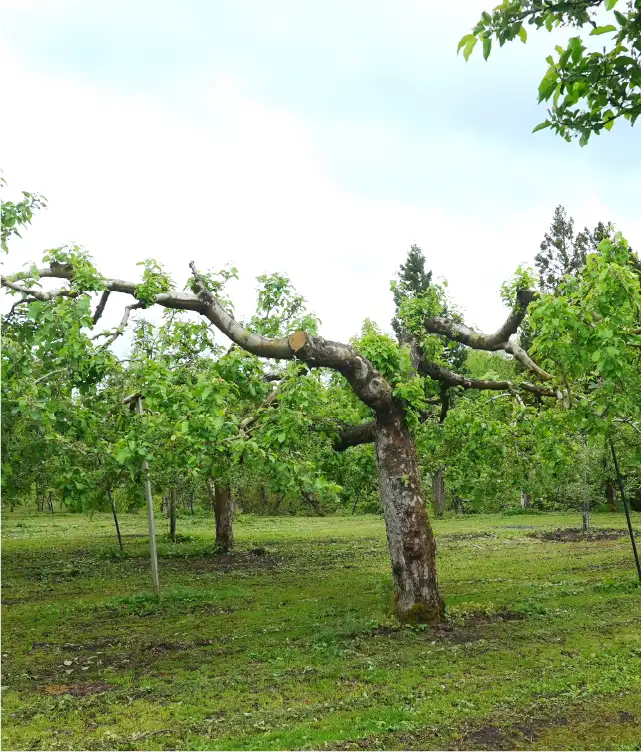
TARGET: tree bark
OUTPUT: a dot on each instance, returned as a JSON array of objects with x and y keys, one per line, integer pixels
[
  {"x": 526, "y": 500},
  {"x": 438, "y": 491},
  {"x": 611, "y": 495},
  {"x": 172, "y": 514},
  {"x": 410, "y": 539},
  {"x": 585, "y": 517},
  {"x": 223, "y": 514}
]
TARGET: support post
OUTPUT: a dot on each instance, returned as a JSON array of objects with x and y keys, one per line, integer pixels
[
  {"x": 151, "y": 520},
  {"x": 115, "y": 514},
  {"x": 626, "y": 507}
]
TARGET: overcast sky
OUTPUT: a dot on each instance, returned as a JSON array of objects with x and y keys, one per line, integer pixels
[{"x": 318, "y": 140}]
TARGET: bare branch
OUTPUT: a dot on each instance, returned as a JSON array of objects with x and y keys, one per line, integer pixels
[
  {"x": 267, "y": 402},
  {"x": 500, "y": 340},
  {"x": 14, "y": 307},
  {"x": 479, "y": 340},
  {"x": 438, "y": 373},
  {"x": 365, "y": 380},
  {"x": 101, "y": 306},
  {"x": 113, "y": 336},
  {"x": 271, "y": 376},
  {"x": 51, "y": 373},
  {"x": 38, "y": 294}
]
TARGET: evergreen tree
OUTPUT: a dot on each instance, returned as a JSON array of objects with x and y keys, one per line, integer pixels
[
  {"x": 562, "y": 252},
  {"x": 412, "y": 281}
]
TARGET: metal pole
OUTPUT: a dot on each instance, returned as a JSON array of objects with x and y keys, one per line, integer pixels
[
  {"x": 626, "y": 507},
  {"x": 151, "y": 520}
]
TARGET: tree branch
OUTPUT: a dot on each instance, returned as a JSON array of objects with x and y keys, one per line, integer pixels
[
  {"x": 101, "y": 306},
  {"x": 438, "y": 373},
  {"x": 113, "y": 336},
  {"x": 499, "y": 340},
  {"x": 479, "y": 340},
  {"x": 350, "y": 436}
]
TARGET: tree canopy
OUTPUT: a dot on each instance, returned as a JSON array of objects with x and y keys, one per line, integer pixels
[{"x": 590, "y": 88}]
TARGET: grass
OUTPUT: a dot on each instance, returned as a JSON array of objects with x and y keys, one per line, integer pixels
[{"x": 295, "y": 648}]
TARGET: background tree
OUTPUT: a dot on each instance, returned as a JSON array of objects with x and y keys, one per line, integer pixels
[{"x": 565, "y": 252}]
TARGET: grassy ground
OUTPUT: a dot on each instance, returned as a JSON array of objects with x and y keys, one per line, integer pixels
[{"x": 295, "y": 648}]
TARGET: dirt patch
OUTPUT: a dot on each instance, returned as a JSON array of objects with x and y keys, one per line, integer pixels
[
  {"x": 223, "y": 562},
  {"x": 170, "y": 647},
  {"x": 480, "y": 617},
  {"x": 77, "y": 690},
  {"x": 470, "y": 630},
  {"x": 467, "y": 536},
  {"x": 517, "y": 527},
  {"x": 573, "y": 535},
  {"x": 495, "y": 738},
  {"x": 89, "y": 645}
]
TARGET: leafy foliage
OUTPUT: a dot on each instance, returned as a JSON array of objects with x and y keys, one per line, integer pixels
[{"x": 589, "y": 88}]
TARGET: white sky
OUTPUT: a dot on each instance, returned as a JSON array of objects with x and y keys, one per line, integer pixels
[{"x": 246, "y": 179}]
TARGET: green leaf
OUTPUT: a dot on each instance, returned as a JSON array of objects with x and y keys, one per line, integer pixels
[
  {"x": 523, "y": 34},
  {"x": 184, "y": 426},
  {"x": 602, "y": 30},
  {"x": 471, "y": 43},
  {"x": 464, "y": 41},
  {"x": 609, "y": 4},
  {"x": 548, "y": 84},
  {"x": 487, "y": 47},
  {"x": 608, "y": 120}
]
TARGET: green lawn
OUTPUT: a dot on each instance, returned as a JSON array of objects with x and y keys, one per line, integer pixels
[{"x": 296, "y": 648}]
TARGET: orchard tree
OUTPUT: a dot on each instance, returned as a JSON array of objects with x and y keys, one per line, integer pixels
[
  {"x": 590, "y": 88},
  {"x": 414, "y": 282},
  {"x": 586, "y": 338},
  {"x": 386, "y": 378}
]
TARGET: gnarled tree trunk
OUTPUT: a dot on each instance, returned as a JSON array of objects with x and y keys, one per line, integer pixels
[
  {"x": 526, "y": 500},
  {"x": 438, "y": 491},
  {"x": 410, "y": 540},
  {"x": 223, "y": 512}
]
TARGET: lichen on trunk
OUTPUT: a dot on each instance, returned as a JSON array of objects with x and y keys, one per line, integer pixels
[{"x": 410, "y": 539}]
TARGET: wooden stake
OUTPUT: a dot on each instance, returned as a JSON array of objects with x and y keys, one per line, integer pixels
[{"x": 151, "y": 520}]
